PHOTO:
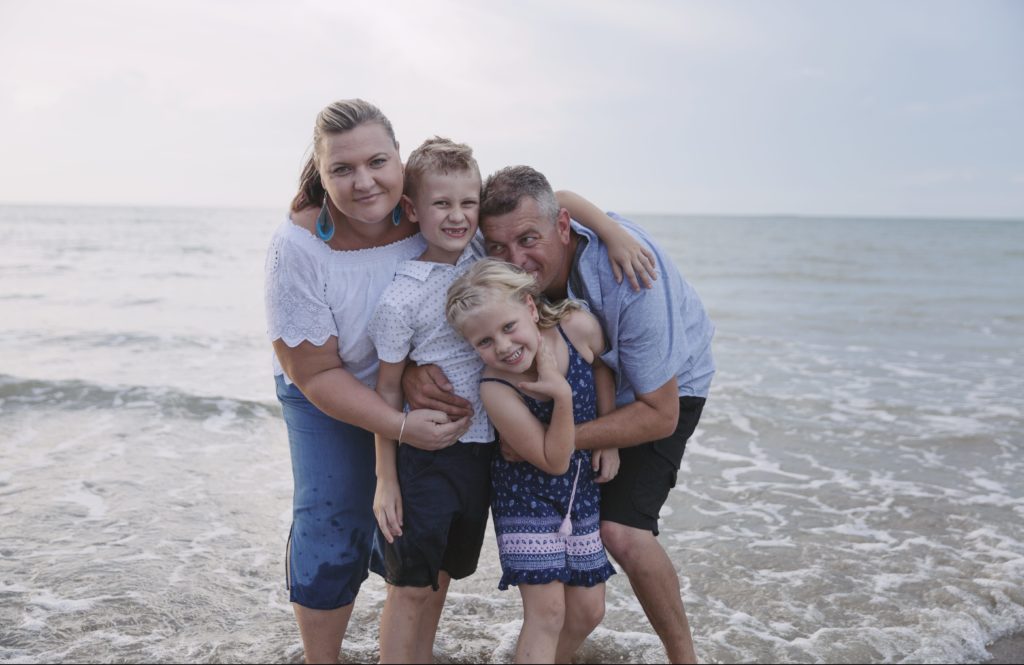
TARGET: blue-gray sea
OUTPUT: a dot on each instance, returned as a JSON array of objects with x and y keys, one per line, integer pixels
[{"x": 855, "y": 491}]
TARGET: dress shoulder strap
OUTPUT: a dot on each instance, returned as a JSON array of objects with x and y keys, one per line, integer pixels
[{"x": 507, "y": 383}]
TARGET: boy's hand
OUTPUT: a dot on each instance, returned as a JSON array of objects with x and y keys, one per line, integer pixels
[
  {"x": 605, "y": 463},
  {"x": 631, "y": 258},
  {"x": 427, "y": 387},
  {"x": 387, "y": 506}
]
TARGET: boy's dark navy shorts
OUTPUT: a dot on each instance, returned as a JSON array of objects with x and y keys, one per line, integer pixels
[
  {"x": 446, "y": 495},
  {"x": 647, "y": 473}
]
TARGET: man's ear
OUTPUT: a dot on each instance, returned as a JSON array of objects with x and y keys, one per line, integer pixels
[
  {"x": 562, "y": 225},
  {"x": 408, "y": 209}
]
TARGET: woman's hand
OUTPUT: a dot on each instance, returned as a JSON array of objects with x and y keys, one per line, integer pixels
[
  {"x": 605, "y": 463},
  {"x": 628, "y": 256},
  {"x": 427, "y": 429},
  {"x": 387, "y": 506},
  {"x": 550, "y": 381}
]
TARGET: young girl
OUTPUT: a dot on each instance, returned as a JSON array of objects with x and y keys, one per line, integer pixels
[{"x": 543, "y": 375}]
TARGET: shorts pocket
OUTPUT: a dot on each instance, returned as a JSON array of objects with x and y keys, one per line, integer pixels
[
  {"x": 651, "y": 489},
  {"x": 413, "y": 463}
]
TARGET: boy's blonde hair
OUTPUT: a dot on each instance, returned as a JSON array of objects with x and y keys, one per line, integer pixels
[
  {"x": 491, "y": 277},
  {"x": 438, "y": 155}
]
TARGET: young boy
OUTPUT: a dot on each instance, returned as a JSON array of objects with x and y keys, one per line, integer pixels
[{"x": 432, "y": 506}]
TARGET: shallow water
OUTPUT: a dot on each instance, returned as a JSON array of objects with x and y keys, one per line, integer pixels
[{"x": 853, "y": 492}]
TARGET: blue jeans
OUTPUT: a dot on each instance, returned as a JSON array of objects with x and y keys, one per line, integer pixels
[{"x": 333, "y": 525}]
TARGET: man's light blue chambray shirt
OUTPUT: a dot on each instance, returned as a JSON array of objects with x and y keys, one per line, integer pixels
[{"x": 653, "y": 335}]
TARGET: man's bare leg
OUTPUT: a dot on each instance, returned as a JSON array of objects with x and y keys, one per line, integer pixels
[{"x": 656, "y": 585}]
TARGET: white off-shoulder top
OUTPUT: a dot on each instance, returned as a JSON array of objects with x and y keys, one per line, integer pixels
[{"x": 313, "y": 292}]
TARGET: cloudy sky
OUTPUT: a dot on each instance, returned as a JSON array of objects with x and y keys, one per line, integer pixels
[{"x": 859, "y": 108}]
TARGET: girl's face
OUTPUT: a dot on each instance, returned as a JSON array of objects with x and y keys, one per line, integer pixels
[
  {"x": 362, "y": 172},
  {"x": 504, "y": 332}
]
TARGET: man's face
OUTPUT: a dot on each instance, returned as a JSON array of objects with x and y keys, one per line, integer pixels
[{"x": 533, "y": 241}]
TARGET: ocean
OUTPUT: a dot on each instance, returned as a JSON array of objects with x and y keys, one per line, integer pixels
[{"x": 854, "y": 492}]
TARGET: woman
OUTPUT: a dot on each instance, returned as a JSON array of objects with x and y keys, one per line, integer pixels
[{"x": 326, "y": 268}]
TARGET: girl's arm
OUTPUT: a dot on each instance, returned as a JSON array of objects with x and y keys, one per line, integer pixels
[
  {"x": 605, "y": 462},
  {"x": 387, "y": 499},
  {"x": 584, "y": 330},
  {"x": 627, "y": 255},
  {"x": 318, "y": 372},
  {"x": 549, "y": 449}
]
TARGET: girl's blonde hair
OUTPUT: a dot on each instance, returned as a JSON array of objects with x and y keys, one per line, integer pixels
[{"x": 491, "y": 277}]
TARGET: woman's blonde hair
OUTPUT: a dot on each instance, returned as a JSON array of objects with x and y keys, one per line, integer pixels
[
  {"x": 491, "y": 277},
  {"x": 341, "y": 116}
]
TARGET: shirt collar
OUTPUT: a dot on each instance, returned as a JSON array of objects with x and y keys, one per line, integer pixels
[{"x": 421, "y": 270}]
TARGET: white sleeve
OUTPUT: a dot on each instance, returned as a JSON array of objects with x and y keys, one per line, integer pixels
[
  {"x": 390, "y": 331},
  {"x": 294, "y": 296}
]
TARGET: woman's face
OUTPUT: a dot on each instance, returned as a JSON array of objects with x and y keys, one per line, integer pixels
[
  {"x": 362, "y": 172},
  {"x": 504, "y": 332}
]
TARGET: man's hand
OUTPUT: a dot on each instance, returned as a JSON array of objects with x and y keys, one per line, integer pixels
[{"x": 427, "y": 387}]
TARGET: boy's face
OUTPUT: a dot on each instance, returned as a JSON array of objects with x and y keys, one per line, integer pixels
[{"x": 446, "y": 206}]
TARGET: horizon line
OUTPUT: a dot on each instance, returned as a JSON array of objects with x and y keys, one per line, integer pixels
[{"x": 787, "y": 215}]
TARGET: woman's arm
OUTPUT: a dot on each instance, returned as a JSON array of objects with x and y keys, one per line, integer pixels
[
  {"x": 387, "y": 499},
  {"x": 319, "y": 374},
  {"x": 627, "y": 255}
]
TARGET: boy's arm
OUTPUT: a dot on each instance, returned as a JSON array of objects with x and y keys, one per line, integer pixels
[
  {"x": 387, "y": 499},
  {"x": 626, "y": 253}
]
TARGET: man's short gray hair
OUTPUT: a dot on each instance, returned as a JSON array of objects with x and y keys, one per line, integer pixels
[{"x": 504, "y": 190}]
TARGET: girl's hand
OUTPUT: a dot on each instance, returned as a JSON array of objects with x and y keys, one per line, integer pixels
[
  {"x": 605, "y": 463},
  {"x": 630, "y": 257},
  {"x": 387, "y": 506},
  {"x": 550, "y": 381},
  {"x": 427, "y": 429}
]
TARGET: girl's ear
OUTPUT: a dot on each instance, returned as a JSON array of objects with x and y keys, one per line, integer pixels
[
  {"x": 532, "y": 306},
  {"x": 408, "y": 209}
]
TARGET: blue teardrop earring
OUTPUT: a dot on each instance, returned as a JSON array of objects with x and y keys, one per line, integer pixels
[
  {"x": 396, "y": 215},
  {"x": 324, "y": 223}
]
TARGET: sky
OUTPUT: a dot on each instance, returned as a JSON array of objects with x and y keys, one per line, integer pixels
[{"x": 875, "y": 108}]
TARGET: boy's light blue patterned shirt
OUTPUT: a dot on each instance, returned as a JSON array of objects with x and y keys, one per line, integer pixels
[{"x": 409, "y": 322}]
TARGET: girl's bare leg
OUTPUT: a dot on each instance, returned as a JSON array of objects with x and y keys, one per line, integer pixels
[
  {"x": 584, "y": 610},
  {"x": 543, "y": 618}
]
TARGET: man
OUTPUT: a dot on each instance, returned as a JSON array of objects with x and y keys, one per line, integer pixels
[{"x": 660, "y": 349}]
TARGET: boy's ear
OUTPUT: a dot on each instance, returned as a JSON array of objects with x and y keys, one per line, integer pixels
[{"x": 408, "y": 209}]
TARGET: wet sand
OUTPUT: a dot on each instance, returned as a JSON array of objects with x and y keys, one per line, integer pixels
[{"x": 1008, "y": 650}]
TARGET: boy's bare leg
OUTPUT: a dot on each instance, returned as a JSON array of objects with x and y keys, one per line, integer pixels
[
  {"x": 584, "y": 610},
  {"x": 656, "y": 585},
  {"x": 431, "y": 618},
  {"x": 408, "y": 623},
  {"x": 322, "y": 632}
]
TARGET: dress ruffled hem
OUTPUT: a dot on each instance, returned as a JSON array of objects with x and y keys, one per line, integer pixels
[{"x": 585, "y": 578}]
